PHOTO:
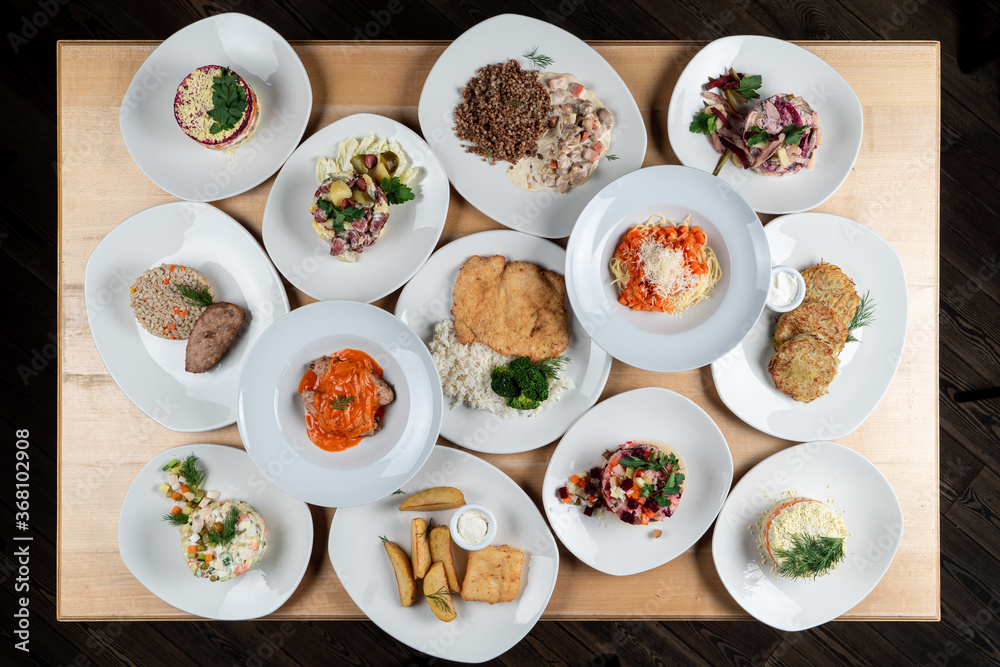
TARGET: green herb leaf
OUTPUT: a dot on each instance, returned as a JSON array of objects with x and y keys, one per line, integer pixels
[
  {"x": 551, "y": 368},
  {"x": 341, "y": 402},
  {"x": 541, "y": 61},
  {"x": 793, "y": 135},
  {"x": 489, "y": 156},
  {"x": 338, "y": 217},
  {"x": 383, "y": 538},
  {"x": 610, "y": 156},
  {"x": 427, "y": 530},
  {"x": 748, "y": 86},
  {"x": 200, "y": 298},
  {"x": 758, "y": 135},
  {"x": 229, "y": 101},
  {"x": 863, "y": 316},
  {"x": 178, "y": 519},
  {"x": 396, "y": 192},
  {"x": 225, "y": 536},
  {"x": 437, "y": 597},
  {"x": 704, "y": 123},
  {"x": 193, "y": 476},
  {"x": 397, "y": 492},
  {"x": 810, "y": 556},
  {"x": 514, "y": 103}
]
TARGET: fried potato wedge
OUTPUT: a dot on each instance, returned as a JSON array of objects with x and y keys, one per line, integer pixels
[
  {"x": 420, "y": 550},
  {"x": 493, "y": 574},
  {"x": 431, "y": 500},
  {"x": 436, "y": 592},
  {"x": 404, "y": 573},
  {"x": 440, "y": 540}
]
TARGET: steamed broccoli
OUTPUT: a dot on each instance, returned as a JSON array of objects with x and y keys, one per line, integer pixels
[
  {"x": 522, "y": 403},
  {"x": 520, "y": 362},
  {"x": 503, "y": 383},
  {"x": 533, "y": 384}
]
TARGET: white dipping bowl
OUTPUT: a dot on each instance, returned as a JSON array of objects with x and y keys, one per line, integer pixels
[
  {"x": 490, "y": 534},
  {"x": 800, "y": 287}
]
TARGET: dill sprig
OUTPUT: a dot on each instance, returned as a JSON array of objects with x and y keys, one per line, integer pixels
[
  {"x": 611, "y": 156},
  {"x": 438, "y": 598},
  {"x": 863, "y": 316},
  {"x": 383, "y": 538},
  {"x": 178, "y": 519},
  {"x": 397, "y": 492},
  {"x": 427, "y": 530},
  {"x": 341, "y": 402},
  {"x": 217, "y": 538},
  {"x": 810, "y": 556},
  {"x": 551, "y": 368},
  {"x": 192, "y": 474},
  {"x": 201, "y": 298},
  {"x": 541, "y": 61}
]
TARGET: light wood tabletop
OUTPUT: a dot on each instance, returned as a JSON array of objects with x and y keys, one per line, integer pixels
[{"x": 104, "y": 440}]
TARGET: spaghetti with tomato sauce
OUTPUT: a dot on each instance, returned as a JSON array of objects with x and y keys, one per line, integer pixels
[
  {"x": 664, "y": 268},
  {"x": 345, "y": 397}
]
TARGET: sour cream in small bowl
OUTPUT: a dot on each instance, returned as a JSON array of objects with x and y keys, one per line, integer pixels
[
  {"x": 473, "y": 527},
  {"x": 786, "y": 289}
]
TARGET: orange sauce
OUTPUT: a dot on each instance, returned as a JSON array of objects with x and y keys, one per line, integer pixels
[{"x": 347, "y": 385}]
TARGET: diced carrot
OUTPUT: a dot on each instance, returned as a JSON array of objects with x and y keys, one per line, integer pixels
[
  {"x": 171, "y": 337},
  {"x": 177, "y": 311},
  {"x": 577, "y": 89},
  {"x": 175, "y": 510},
  {"x": 254, "y": 544},
  {"x": 173, "y": 266},
  {"x": 175, "y": 496},
  {"x": 575, "y": 479},
  {"x": 166, "y": 280},
  {"x": 553, "y": 164},
  {"x": 567, "y": 500},
  {"x": 184, "y": 313},
  {"x": 599, "y": 147},
  {"x": 645, "y": 520},
  {"x": 184, "y": 488},
  {"x": 192, "y": 548},
  {"x": 171, "y": 326},
  {"x": 584, "y": 135},
  {"x": 209, "y": 558}
]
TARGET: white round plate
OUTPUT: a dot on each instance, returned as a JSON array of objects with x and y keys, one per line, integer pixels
[
  {"x": 497, "y": 40},
  {"x": 151, "y": 548},
  {"x": 406, "y": 242},
  {"x": 272, "y": 418},
  {"x": 659, "y": 341},
  {"x": 650, "y": 413},
  {"x": 866, "y": 367},
  {"x": 784, "y": 68},
  {"x": 180, "y": 165},
  {"x": 427, "y": 299},
  {"x": 481, "y": 631},
  {"x": 830, "y": 473},
  {"x": 148, "y": 369}
]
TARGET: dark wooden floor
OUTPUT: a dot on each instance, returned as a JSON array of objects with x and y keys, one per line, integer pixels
[{"x": 969, "y": 633}]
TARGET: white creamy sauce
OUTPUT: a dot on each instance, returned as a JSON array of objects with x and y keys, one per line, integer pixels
[
  {"x": 782, "y": 290},
  {"x": 529, "y": 173},
  {"x": 473, "y": 526}
]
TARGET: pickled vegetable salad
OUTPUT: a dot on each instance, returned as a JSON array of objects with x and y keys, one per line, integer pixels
[{"x": 220, "y": 539}]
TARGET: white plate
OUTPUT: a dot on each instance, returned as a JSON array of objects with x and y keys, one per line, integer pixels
[
  {"x": 427, "y": 299},
  {"x": 866, "y": 367},
  {"x": 481, "y": 631},
  {"x": 497, "y": 40},
  {"x": 272, "y": 418},
  {"x": 826, "y": 472},
  {"x": 784, "y": 68},
  {"x": 659, "y": 341},
  {"x": 151, "y": 548},
  {"x": 406, "y": 242},
  {"x": 148, "y": 369},
  {"x": 180, "y": 165},
  {"x": 650, "y": 413}
]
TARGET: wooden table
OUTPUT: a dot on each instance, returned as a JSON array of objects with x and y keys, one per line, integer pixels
[{"x": 104, "y": 439}]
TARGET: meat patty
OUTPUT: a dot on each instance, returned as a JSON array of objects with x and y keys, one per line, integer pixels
[
  {"x": 515, "y": 308},
  {"x": 383, "y": 390},
  {"x": 812, "y": 317},
  {"x": 804, "y": 367},
  {"x": 827, "y": 284},
  {"x": 212, "y": 335}
]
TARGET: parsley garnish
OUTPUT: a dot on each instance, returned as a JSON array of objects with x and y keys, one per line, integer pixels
[
  {"x": 337, "y": 216},
  {"x": 229, "y": 101},
  {"x": 396, "y": 192},
  {"x": 704, "y": 123},
  {"x": 748, "y": 86},
  {"x": 341, "y": 402},
  {"x": 540, "y": 61},
  {"x": 758, "y": 135},
  {"x": 793, "y": 135},
  {"x": 221, "y": 538}
]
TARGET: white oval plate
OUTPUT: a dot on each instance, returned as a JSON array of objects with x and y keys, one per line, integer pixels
[
  {"x": 486, "y": 187},
  {"x": 826, "y": 472},
  {"x": 406, "y": 242},
  {"x": 481, "y": 631},
  {"x": 181, "y": 166},
  {"x": 784, "y": 68},
  {"x": 272, "y": 418},
  {"x": 659, "y": 341},
  {"x": 148, "y": 369},
  {"x": 650, "y": 413},
  {"x": 866, "y": 367},
  {"x": 427, "y": 299},
  {"x": 151, "y": 548}
]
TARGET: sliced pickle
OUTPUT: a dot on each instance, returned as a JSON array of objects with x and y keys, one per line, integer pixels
[
  {"x": 390, "y": 160},
  {"x": 358, "y": 164}
]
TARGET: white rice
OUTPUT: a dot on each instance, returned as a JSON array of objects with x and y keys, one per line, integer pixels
[{"x": 465, "y": 374}]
